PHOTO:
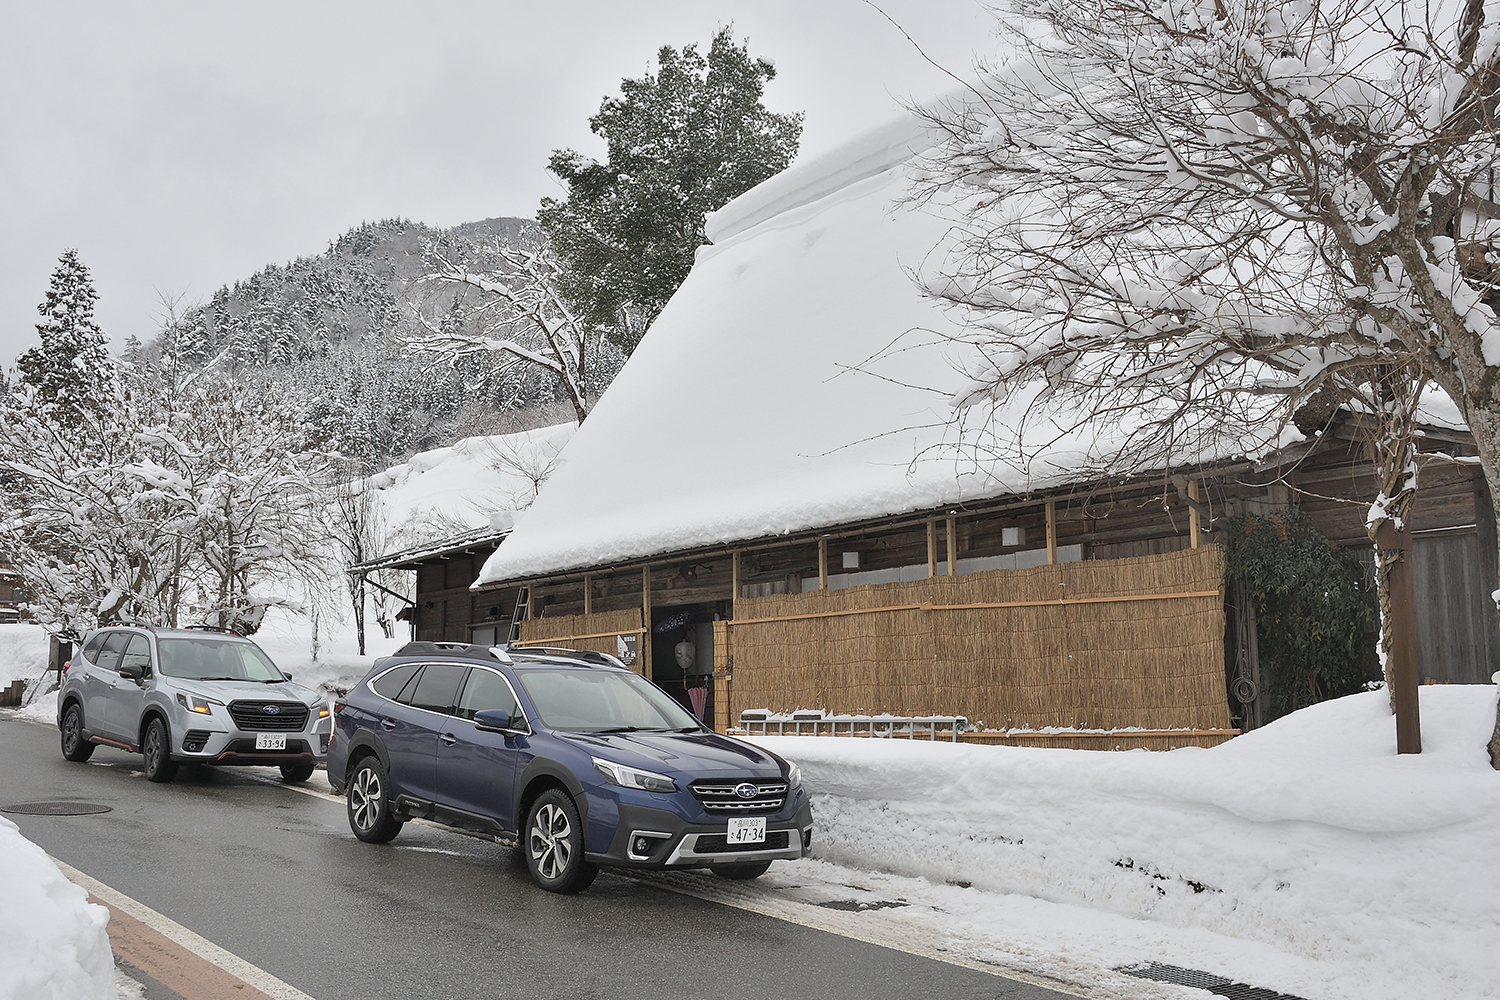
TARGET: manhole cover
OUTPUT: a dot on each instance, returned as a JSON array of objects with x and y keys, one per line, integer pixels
[
  {"x": 859, "y": 906},
  {"x": 55, "y": 808},
  {"x": 1204, "y": 981}
]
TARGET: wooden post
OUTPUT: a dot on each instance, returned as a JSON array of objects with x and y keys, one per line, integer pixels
[
  {"x": 646, "y": 620},
  {"x": 1051, "y": 532},
  {"x": 734, "y": 583},
  {"x": 1195, "y": 522},
  {"x": 822, "y": 564},
  {"x": 588, "y": 594},
  {"x": 952, "y": 547},
  {"x": 931, "y": 549},
  {"x": 1403, "y": 655}
]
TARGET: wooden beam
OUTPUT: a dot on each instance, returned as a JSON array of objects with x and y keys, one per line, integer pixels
[
  {"x": 734, "y": 582},
  {"x": 646, "y": 620},
  {"x": 1051, "y": 532},
  {"x": 1195, "y": 523},
  {"x": 985, "y": 605},
  {"x": 952, "y": 546},
  {"x": 588, "y": 593},
  {"x": 822, "y": 564},
  {"x": 931, "y": 549}
]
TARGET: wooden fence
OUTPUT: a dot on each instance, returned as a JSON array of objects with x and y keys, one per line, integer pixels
[
  {"x": 597, "y": 631},
  {"x": 1101, "y": 645}
]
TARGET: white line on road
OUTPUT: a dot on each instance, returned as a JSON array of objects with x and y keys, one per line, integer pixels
[{"x": 205, "y": 949}]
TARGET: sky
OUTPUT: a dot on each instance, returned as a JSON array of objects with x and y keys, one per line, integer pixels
[{"x": 183, "y": 146}]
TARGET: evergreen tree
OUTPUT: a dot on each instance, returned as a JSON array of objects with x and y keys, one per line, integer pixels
[
  {"x": 681, "y": 143},
  {"x": 70, "y": 366}
]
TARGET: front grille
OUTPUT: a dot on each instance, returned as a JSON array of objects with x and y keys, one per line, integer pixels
[
  {"x": 195, "y": 740},
  {"x": 721, "y": 797},
  {"x": 251, "y": 716},
  {"x": 718, "y": 843}
]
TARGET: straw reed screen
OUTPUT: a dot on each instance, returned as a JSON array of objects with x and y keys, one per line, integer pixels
[
  {"x": 596, "y": 631},
  {"x": 1072, "y": 650}
]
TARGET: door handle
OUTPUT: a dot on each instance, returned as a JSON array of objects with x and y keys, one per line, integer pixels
[
  {"x": 448, "y": 739},
  {"x": 387, "y": 724}
]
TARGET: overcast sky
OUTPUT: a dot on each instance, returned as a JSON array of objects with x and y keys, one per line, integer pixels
[{"x": 182, "y": 146}]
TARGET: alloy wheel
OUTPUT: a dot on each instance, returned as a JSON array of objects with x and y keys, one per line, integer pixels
[
  {"x": 549, "y": 841},
  {"x": 365, "y": 795}
]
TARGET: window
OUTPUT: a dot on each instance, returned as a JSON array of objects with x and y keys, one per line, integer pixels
[
  {"x": 114, "y": 647},
  {"x": 602, "y": 700},
  {"x": 390, "y": 683},
  {"x": 438, "y": 687},
  {"x": 91, "y": 648},
  {"x": 138, "y": 655},
  {"x": 210, "y": 659},
  {"x": 486, "y": 691}
]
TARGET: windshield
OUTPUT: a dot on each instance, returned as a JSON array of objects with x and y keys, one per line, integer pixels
[
  {"x": 209, "y": 659},
  {"x": 585, "y": 700}
]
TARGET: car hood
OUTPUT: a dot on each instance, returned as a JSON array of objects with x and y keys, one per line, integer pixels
[
  {"x": 227, "y": 691},
  {"x": 696, "y": 754}
]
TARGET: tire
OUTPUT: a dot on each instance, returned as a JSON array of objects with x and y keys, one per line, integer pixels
[
  {"x": 743, "y": 872},
  {"x": 553, "y": 845},
  {"x": 367, "y": 800},
  {"x": 74, "y": 746},
  {"x": 157, "y": 749},
  {"x": 294, "y": 774}
]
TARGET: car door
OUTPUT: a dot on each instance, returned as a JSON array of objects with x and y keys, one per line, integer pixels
[
  {"x": 99, "y": 707},
  {"x": 122, "y": 712},
  {"x": 476, "y": 770},
  {"x": 410, "y": 727},
  {"x": 89, "y": 680}
]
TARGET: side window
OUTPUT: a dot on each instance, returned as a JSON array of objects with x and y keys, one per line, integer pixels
[
  {"x": 138, "y": 654},
  {"x": 91, "y": 648},
  {"x": 390, "y": 683},
  {"x": 486, "y": 691},
  {"x": 114, "y": 647},
  {"x": 437, "y": 688}
]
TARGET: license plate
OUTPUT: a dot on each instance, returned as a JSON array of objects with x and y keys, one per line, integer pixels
[
  {"x": 747, "y": 830},
  {"x": 266, "y": 741}
]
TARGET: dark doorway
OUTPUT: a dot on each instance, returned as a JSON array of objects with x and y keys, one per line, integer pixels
[{"x": 671, "y": 626}]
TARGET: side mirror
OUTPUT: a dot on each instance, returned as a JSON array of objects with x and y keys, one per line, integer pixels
[
  {"x": 493, "y": 720},
  {"x": 286, "y": 674},
  {"x": 132, "y": 673}
]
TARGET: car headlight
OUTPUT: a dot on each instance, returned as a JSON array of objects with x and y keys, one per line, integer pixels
[
  {"x": 793, "y": 775},
  {"x": 632, "y": 777},
  {"x": 195, "y": 704},
  {"x": 320, "y": 710}
]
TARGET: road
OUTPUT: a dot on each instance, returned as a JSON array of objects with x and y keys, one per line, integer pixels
[{"x": 273, "y": 876}]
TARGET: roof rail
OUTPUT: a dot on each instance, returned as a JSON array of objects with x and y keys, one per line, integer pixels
[
  {"x": 587, "y": 655},
  {"x": 212, "y": 628},
  {"x": 462, "y": 649}
]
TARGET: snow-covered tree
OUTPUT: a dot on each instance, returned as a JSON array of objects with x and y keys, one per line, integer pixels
[
  {"x": 1182, "y": 209},
  {"x": 527, "y": 322},
  {"x": 69, "y": 370},
  {"x": 680, "y": 143}
]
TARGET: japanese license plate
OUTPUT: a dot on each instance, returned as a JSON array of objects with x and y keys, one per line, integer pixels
[
  {"x": 747, "y": 830},
  {"x": 270, "y": 741}
]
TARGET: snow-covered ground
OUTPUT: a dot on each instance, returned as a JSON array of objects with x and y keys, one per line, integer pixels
[
  {"x": 1305, "y": 857},
  {"x": 53, "y": 945}
]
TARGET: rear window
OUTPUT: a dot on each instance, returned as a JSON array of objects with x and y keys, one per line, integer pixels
[
  {"x": 438, "y": 687},
  {"x": 390, "y": 683}
]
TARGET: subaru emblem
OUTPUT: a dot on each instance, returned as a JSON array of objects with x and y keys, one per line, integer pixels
[
  {"x": 745, "y": 790},
  {"x": 272, "y": 709}
]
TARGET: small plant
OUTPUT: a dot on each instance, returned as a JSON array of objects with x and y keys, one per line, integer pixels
[{"x": 1314, "y": 609}]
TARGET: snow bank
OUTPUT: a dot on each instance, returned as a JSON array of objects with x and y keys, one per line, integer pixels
[
  {"x": 23, "y": 652},
  {"x": 53, "y": 945},
  {"x": 1310, "y": 836}
]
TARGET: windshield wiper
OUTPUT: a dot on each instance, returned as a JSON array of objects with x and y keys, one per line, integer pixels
[
  {"x": 275, "y": 680},
  {"x": 214, "y": 678},
  {"x": 631, "y": 729}
]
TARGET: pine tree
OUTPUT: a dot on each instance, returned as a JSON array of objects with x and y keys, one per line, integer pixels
[
  {"x": 69, "y": 368},
  {"x": 681, "y": 144}
]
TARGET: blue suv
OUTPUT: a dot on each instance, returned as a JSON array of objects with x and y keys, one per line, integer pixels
[{"x": 580, "y": 760}]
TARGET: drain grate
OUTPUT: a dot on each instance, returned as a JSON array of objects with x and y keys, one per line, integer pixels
[
  {"x": 1178, "y": 976},
  {"x": 55, "y": 808}
]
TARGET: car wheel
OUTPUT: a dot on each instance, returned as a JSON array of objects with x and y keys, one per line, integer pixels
[
  {"x": 157, "y": 750},
  {"x": 74, "y": 746},
  {"x": 368, "y": 803},
  {"x": 294, "y": 773},
  {"x": 554, "y": 845},
  {"x": 742, "y": 872}
]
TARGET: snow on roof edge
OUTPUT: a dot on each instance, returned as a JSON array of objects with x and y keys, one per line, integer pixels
[{"x": 866, "y": 155}]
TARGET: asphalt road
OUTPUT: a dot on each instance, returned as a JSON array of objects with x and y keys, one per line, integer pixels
[{"x": 275, "y": 877}]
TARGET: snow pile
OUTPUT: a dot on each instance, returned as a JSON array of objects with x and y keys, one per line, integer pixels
[
  {"x": 53, "y": 945},
  {"x": 1300, "y": 853},
  {"x": 23, "y": 652}
]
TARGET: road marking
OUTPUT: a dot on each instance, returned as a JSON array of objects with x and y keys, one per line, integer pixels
[{"x": 198, "y": 969}]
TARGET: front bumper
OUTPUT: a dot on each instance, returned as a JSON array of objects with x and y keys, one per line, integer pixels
[
  {"x": 206, "y": 740},
  {"x": 673, "y": 843}
]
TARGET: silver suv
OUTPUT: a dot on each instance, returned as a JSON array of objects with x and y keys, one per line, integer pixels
[{"x": 196, "y": 695}]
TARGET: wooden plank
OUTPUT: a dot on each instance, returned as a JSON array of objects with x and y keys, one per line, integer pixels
[
  {"x": 574, "y": 638},
  {"x": 952, "y": 547},
  {"x": 931, "y": 549},
  {"x": 1117, "y": 599},
  {"x": 588, "y": 593},
  {"x": 734, "y": 577},
  {"x": 1195, "y": 525},
  {"x": 1051, "y": 532},
  {"x": 822, "y": 564},
  {"x": 646, "y": 620}
]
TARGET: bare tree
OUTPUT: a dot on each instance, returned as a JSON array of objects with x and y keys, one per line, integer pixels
[
  {"x": 528, "y": 321},
  {"x": 1181, "y": 213}
]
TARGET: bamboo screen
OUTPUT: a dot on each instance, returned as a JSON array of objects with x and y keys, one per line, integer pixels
[
  {"x": 1058, "y": 658},
  {"x": 596, "y": 631}
]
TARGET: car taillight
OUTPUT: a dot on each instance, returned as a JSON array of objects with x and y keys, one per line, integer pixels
[
  {"x": 338, "y": 707},
  {"x": 66, "y": 665}
]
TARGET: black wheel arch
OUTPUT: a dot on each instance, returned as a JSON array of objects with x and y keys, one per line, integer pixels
[
  {"x": 365, "y": 744},
  {"x": 540, "y": 775}
]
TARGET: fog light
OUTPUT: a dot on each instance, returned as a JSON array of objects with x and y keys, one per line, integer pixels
[{"x": 642, "y": 845}]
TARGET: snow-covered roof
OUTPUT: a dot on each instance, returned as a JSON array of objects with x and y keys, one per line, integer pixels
[{"x": 798, "y": 379}]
